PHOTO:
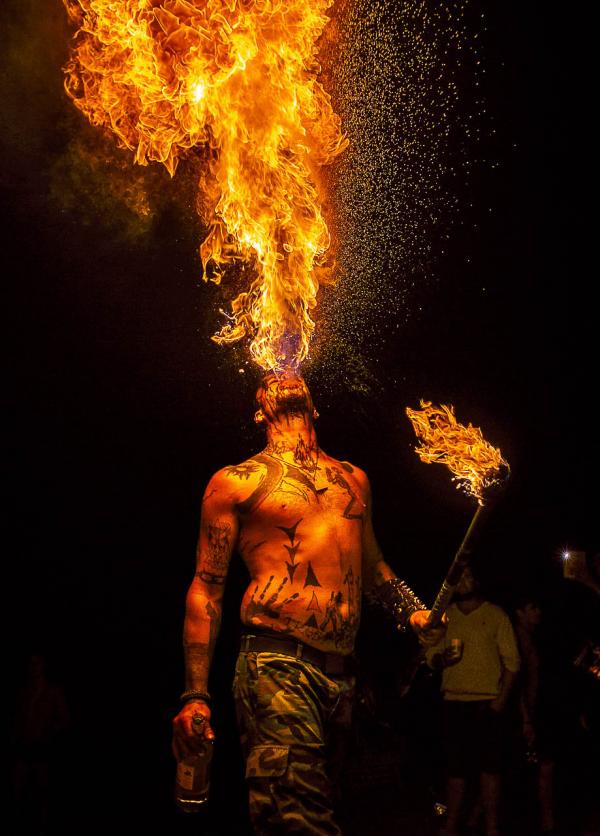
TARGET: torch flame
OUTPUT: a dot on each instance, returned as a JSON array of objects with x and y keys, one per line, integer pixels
[
  {"x": 237, "y": 78},
  {"x": 475, "y": 465}
]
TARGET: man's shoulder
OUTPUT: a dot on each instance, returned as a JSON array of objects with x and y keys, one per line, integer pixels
[
  {"x": 233, "y": 476},
  {"x": 346, "y": 467},
  {"x": 495, "y": 608},
  {"x": 244, "y": 471}
]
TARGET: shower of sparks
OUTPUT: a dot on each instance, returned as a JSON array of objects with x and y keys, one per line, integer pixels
[
  {"x": 398, "y": 76},
  {"x": 475, "y": 465}
]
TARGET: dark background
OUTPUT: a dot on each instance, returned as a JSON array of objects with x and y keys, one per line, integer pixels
[{"x": 120, "y": 407}]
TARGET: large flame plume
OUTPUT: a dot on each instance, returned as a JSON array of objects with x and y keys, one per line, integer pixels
[
  {"x": 235, "y": 80},
  {"x": 475, "y": 465}
]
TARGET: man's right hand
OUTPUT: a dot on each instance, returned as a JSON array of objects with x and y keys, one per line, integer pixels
[
  {"x": 428, "y": 636},
  {"x": 191, "y": 727}
]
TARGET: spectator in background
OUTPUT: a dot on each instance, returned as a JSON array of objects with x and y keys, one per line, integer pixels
[
  {"x": 577, "y": 618},
  {"x": 42, "y": 718},
  {"x": 537, "y": 709},
  {"x": 479, "y": 661}
]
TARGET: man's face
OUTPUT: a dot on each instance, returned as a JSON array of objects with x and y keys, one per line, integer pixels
[
  {"x": 467, "y": 586},
  {"x": 282, "y": 394},
  {"x": 530, "y": 614}
]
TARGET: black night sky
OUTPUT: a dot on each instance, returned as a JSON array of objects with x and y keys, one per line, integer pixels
[{"x": 120, "y": 407}]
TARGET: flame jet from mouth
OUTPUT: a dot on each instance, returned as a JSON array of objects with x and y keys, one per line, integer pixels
[
  {"x": 238, "y": 79},
  {"x": 475, "y": 465}
]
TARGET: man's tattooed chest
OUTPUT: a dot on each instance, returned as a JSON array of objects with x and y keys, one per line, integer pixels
[
  {"x": 279, "y": 483},
  {"x": 307, "y": 591}
]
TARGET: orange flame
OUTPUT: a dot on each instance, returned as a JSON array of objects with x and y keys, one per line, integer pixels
[
  {"x": 238, "y": 79},
  {"x": 473, "y": 462}
]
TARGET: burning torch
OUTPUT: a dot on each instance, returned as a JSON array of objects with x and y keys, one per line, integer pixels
[{"x": 478, "y": 468}]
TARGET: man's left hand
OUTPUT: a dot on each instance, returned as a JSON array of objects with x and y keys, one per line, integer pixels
[{"x": 428, "y": 636}]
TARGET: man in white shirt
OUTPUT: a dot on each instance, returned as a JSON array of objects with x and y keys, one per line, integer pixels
[{"x": 479, "y": 660}]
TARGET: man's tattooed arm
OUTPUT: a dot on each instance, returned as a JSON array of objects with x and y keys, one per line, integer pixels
[
  {"x": 218, "y": 535},
  {"x": 383, "y": 588},
  {"x": 375, "y": 570}
]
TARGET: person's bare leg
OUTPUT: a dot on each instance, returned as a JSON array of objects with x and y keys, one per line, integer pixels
[
  {"x": 545, "y": 795},
  {"x": 455, "y": 792},
  {"x": 490, "y": 795}
]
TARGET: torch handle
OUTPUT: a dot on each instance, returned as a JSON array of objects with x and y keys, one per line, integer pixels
[{"x": 461, "y": 560}]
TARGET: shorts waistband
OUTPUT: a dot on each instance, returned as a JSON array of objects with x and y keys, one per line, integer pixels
[{"x": 333, "y": 664}]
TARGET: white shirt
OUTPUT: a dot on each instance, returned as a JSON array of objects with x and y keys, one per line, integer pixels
[{"x": 489, "y": 646}]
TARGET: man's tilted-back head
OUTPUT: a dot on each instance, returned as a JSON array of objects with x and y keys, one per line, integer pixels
[{"x": 283, "y": 395}]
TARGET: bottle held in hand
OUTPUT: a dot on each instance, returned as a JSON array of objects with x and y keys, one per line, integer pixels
[
  {"x": 453, "y": 653},
  {"x": 192, "y": 783}
]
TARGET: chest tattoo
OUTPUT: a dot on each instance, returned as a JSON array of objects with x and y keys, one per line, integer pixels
[
  {"x": 336, "y": 477},
  {"x": 280, "y": 476}
]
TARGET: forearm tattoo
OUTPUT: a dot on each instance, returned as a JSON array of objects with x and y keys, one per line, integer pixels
[
  {"x": 197, "y": 662},
  {"x": 198, "y": 655}
]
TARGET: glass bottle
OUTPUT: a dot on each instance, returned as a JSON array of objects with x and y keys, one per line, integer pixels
[{"x": 192, "y": 782}]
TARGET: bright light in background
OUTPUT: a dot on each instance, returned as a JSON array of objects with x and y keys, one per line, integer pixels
[{"x": 566, "y": 555}]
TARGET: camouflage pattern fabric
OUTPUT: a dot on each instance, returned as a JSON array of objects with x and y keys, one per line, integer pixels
[{"x": 290, "y": 716}]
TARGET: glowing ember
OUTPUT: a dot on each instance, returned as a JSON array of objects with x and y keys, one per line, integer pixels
[
  {"x": 237, "y": 79},
  {"x": 473, "y": 462}
]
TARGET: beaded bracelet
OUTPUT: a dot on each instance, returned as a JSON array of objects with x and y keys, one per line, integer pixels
[{"x": 188, "y": 696}]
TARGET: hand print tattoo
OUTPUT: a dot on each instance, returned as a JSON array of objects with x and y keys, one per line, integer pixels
[
  {"x": 335, "y": 624},
  {"x": 271, "y": 606}
]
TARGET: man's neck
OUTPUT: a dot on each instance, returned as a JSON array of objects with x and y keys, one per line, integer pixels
[
  {"x": 468, "y": 605},
  {"x": 293, "y": 437},
  {"x": 524, "y": 628}
]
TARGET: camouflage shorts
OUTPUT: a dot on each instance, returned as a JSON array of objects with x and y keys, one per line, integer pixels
[{"x": 290, "y": 716}]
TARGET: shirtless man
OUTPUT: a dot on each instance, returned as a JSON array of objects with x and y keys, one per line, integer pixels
[{"x": 301, "y": 521}]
